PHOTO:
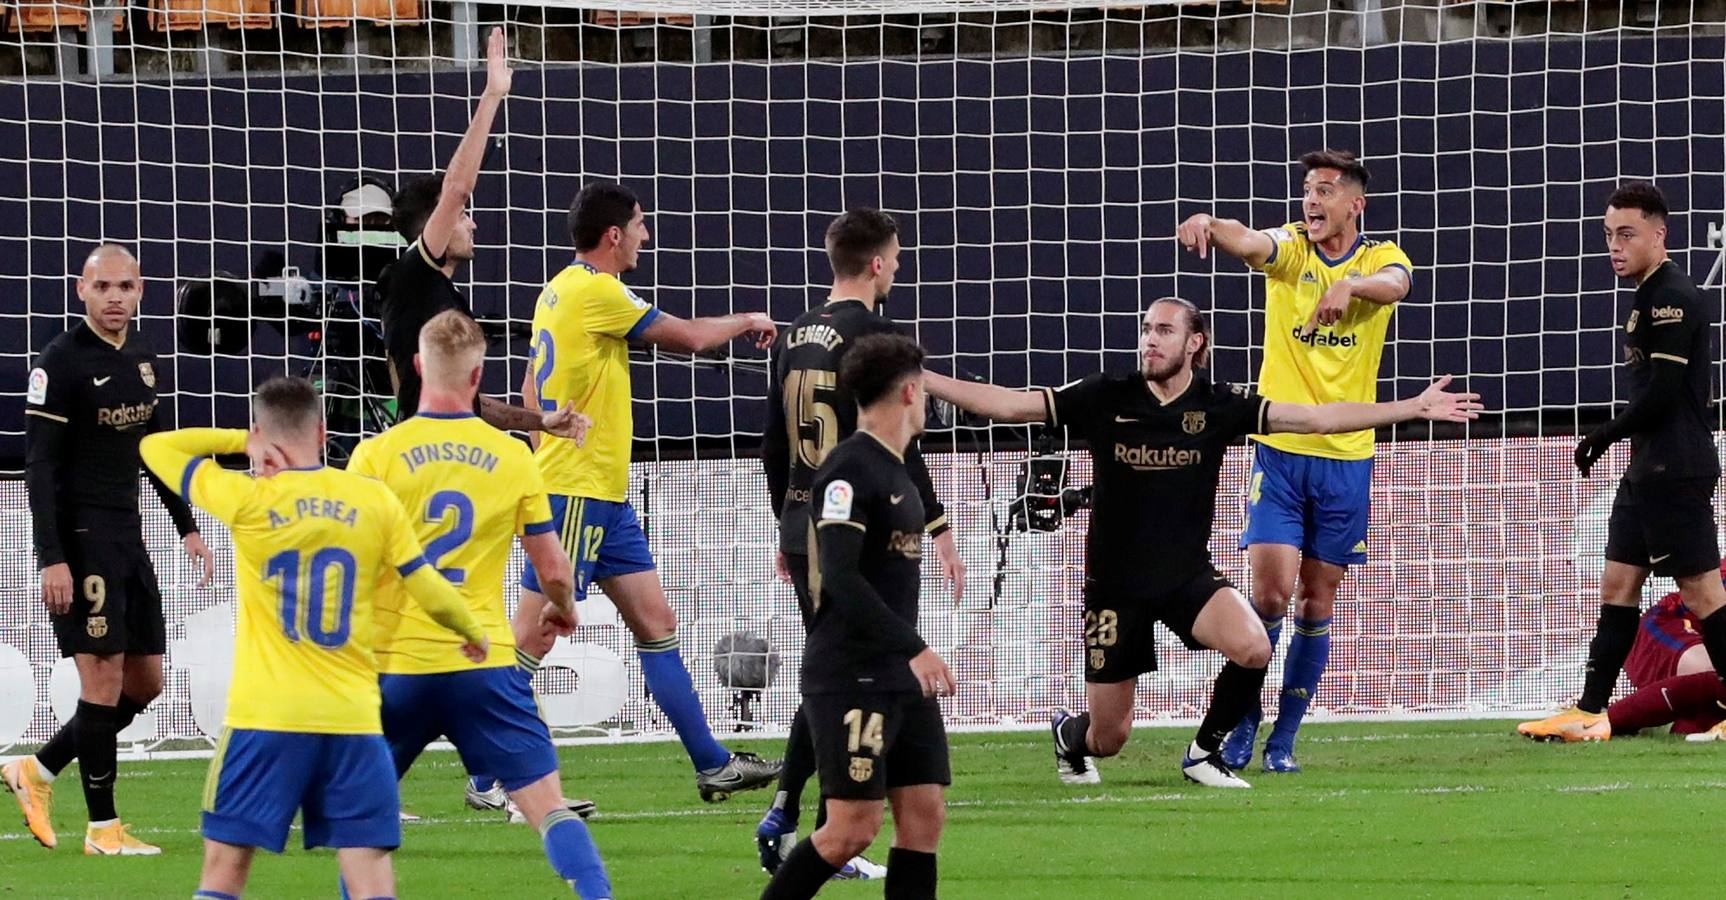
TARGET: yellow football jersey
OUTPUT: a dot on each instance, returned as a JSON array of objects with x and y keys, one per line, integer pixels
[
  {"x": 309, "y": 545},
  {"x": 1334, "y": 363},
  {"x": 582, "y": 326},
  {"x": 469, "y": 490}
]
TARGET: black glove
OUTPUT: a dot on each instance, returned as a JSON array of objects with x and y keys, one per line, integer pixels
[{"x": 1589, "y": 452}]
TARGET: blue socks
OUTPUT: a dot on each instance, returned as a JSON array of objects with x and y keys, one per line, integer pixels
[
  {"x": 212, "y": 895},
  {"x": 1273, "y": 630},
  {"x": 1309, "y": 653},
  {"x": 668, "y": 680},
  {"x": 570, "y": 848}
]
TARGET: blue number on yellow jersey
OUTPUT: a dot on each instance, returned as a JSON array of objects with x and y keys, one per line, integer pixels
[
  {"x": 469, "y": 489},
  {"x": 582, "y": 326},
  {"x": 1334, "y": 363},
  {"x": 309, "y": 545}
]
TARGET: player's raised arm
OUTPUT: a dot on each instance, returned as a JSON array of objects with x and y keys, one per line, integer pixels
[
  {"x": 1435, "y": 404},
  {"x": 181, "y": 459},
  {"x": 1201, "y": 232},
  {"x": 463, "y": 172},
  {"x": 707, "y": 332},
  {"x": 989, "y": 401}
]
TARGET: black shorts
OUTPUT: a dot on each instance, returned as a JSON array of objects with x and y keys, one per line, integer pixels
[
  {"x": 1120, "y": 640},
  {"x": 1664, "y": 524},
  {"x": 868, "y": 742},
  {"x": 798, "y": 565},
  {"x": 116, "y": 604}
]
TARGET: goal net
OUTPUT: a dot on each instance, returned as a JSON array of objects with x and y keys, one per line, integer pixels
[{"x": 1038, "y": 156}]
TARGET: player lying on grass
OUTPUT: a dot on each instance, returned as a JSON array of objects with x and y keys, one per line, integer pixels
[
  {"x": 869, "y": 680},
  {"x": 1675, "y": 683},
  {"x": 302, "y": 732},
  {"x": 1157, "y": 438},
  {"x": 471, "y": 489}
]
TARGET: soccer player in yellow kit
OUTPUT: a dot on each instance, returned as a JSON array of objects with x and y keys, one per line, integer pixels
[
  {"x": 1329, "y": 295},
  {"x": 302, "y": 731},
  {"x": 583, "y": 325},
  {"x": 470, "y": 489}
]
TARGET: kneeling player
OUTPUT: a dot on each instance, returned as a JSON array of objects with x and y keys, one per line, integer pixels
[
  {"x": 1674, "y": 679},
  {"x": 301, "y": 734},
  {"x": 869, "y": 681},
  {"x": 1157, "y": 438},
  {"x": 472, "y": 489}
]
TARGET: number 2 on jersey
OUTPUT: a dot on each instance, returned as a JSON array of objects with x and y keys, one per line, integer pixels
[
  {"x": 810, "y": 415},
  {"x": 303, "y": 598},
  {"x": 545, "y": 356},
  {"x": 440, "y": 505}
]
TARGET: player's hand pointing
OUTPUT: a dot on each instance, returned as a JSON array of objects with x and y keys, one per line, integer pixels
[
  {"x": 202, "y": 557},
  {"x": 476, "y": 652},
  {"x": 1589, "y": 452},
  {"x": 1439, "y": 405},
  {"x": 1195, "y": 234},
  {"x": 932, "y": 673},
  {"x": 761, "y": 328},
  {"x": 1331, "y": 307},
  {"x": 567, "y": 423},
  {"x": 497, "y": 72}
]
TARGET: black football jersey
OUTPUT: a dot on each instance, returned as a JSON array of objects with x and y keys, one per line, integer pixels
[
  {"x": 87, "y": 405},
  {"x": 864, "y": 632},
  {"x": 1156, "y": 467},
  {"x": 808, "y": 414},
  {"x": 1671, "y": 321}
]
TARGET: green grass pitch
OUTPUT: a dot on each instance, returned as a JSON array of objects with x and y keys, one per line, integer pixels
[{"x": 1386, "y": 809}]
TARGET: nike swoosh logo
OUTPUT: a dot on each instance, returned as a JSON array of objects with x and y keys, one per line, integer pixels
[
  {"x": 1657, "y": 560},
  {"x": 896, "y": 498},
  {"x": 101, "y": 381},
  {"x": 1124, "y": 419},
  {"x": 1668, "y": 698}
]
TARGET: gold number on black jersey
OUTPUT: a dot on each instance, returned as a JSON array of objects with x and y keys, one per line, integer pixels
[
  {"x": 864, "y": 733},
  {"x": 810, "y": 418},
  {"x": 1101, "y": 628}
]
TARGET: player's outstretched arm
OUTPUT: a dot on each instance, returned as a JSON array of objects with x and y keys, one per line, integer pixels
[
  {"x": 695, "y": 335},
  {"x": 1202, "y": 232},
  {"x": 170, "y": 455},
  {"x": 987, "y": 400},
  {"x": 463, "y": 171},
  {"x": 1434, "y": 404},
  {"x": 564, "y": 422}
]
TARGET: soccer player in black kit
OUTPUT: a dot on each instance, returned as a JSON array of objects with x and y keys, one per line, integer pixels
[
  {"x": 91, "y": 399},
  {"x": 869, "y": 680},
  {"x": 808, "y": 414},
  {"x": 1662, "y": 518},
  {"x": 1157, "y": 439}
]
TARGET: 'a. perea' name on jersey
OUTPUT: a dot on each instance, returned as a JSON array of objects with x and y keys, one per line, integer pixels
[
  {"x": 449, "y": 451},
  {"x": 825, "y": 335},
  {"x": 316, "y": 508}
]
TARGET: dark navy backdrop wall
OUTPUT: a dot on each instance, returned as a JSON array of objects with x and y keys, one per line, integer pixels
[{"x": 1039, "y": 196}]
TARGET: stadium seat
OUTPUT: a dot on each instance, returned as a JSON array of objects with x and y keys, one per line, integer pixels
[
  {"x": 622, "y": 18},
  {"x": 187, "y": 15},
  {"x": 45, "y": 15},
  {"x": 341, "y": 13}
]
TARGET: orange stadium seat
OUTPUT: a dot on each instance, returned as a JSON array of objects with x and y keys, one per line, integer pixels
[
  {"x": 45, "y": 15},
  {"x": 340, "y": 13},
  {"x": 185, "y": 15},
  {"x": 622, "y": 18}
]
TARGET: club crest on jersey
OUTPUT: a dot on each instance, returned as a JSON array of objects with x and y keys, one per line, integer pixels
[
  {"x": 1193, "y": 421},
  {"x": 862, "y": 768},
  {"x": 1630, "y": 326},
  {"x": 96, "y": 626},
  {"x": 38, "y": 391},
  {"x": 836, "y": 501},
  {"x": 148, "y": 373}
]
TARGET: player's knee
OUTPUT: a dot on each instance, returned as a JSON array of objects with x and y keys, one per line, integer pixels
[
  {"x": 1317, "y": 604},
  {"x": 1253, "y": 654},
  {"x": 851, "y": 833},
  {"x": 653, "y": 621}
]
